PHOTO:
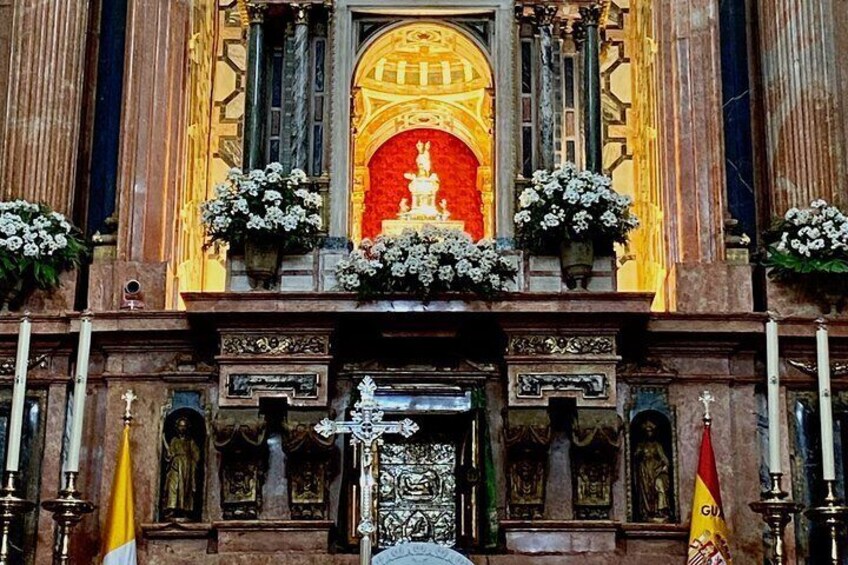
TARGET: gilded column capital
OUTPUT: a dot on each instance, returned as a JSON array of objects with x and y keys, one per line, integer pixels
[
  {"x": 591, "y": 15},
  {"x": 300, "y": 11},
  {"x": 544, "y": 14},
  {"x": 578, "y": 33},
  {"x": 256, "y": 12}
]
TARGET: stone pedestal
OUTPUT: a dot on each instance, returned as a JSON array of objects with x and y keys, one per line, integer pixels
[
  {"x": 560, "y": 537},
  {"x": 269, "y": 536},
  {"x": 107, "y": 280},
  {"x": 711, "y": 287}
]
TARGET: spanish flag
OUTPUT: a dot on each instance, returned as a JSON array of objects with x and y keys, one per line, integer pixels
[
  {"x": 119, "y": 541},
  {"x": 708, "y": 534}
]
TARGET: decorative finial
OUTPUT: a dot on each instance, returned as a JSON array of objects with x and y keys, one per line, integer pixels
[
  {"x": 821, "y": 323},
  {"x": 774, "y": 316},
  {"x": 87, "y": 314},
  {"x": 27, "y": 315},
  {"x": 706, "y": 399},
  {"x": 128, "y": 397}
]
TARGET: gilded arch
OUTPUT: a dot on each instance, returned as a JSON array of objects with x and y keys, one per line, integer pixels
[{"x": 422, "y": 75}]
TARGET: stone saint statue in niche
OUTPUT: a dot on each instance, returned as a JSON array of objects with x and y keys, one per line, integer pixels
[
  {"x": 653, "y": 482},
  {"x": 182, "y": 456}
]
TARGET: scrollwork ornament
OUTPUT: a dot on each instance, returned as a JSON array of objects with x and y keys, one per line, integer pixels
[
  {"x": 274, "y": 344},
  {"x": 561, "y": 345}
]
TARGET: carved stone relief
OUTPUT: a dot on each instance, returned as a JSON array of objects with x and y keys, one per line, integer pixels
[
  {"x": 240, "y": 437},
  {"x": 595, "y": 442},
  {"x": 561, "y": 345},
  {"x": 308, "y": 456},
  {"x": 527, "y": 436},
  {"x": 274, "y": 344}
]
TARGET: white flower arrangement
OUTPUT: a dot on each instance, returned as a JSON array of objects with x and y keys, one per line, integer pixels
[
  {"x": 264, "y": 205},
  {"x": 425, "y": 263},
  {"x": 570, "y": 205},
  {"x": 36, "y": 245},
  {"x": 809, "y": 240}
]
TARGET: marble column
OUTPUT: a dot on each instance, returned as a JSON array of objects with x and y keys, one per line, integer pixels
[
  {"x": 43, "y": 101},
  {"x": 300, "y": 120},
  {"x": 690, "y": 139},
  {"x": 590, "y": 17},
  {"x": 151, "y": 161},
  {"x": 253, "y": 153},
  {"x": 802, "y": 94},
  {"x": 545, "y": 24}
]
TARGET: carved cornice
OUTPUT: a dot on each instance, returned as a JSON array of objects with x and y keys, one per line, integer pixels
[
  {"x": 561, "y": 345},
  {"x": 811, "y": 369},
  {"x": 7, "y": 365},
  {"x": 274, "y": 344}
]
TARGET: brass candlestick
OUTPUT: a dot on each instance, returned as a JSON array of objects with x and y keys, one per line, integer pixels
[
  {"x": 68, "y": 509},
  {"x": 11, "y": 506},
  {"x": 831, "y": 514},
  {"x": 776, "y": 509}
]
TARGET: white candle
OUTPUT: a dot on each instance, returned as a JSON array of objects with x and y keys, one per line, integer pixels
[
  {"x": 825, "y": 405},
  {"x": 16, "y": 419},
  {"x": 773, "y": 379},
  {"x": 72, "y": 463}
]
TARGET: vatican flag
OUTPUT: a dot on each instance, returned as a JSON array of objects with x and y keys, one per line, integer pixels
[
  {"x": 708, "y": 543},
  {"x": 119, "y": 541}
]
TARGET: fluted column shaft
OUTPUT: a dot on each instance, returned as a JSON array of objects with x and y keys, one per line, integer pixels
[
  {"x": 544, "y": 22},
  {"x": 40, "y": 146},
  {"x": 300, "y": 124},
  {"x": 805, "y": 130},
  {"x": 253, "y": 154},
  {"x": 590, "y": 16}
]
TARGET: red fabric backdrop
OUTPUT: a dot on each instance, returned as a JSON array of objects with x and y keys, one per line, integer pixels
[{"x": 452, "y": 160}]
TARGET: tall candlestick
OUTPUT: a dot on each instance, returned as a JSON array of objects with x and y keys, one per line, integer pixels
[
  {"x": 825, "y": 405},
  {"x": 16, "y": 419},
  {"x": 72, "y": 465},
  {"x": 773, "y": 379}
]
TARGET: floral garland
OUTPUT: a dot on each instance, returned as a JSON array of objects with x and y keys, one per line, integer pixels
[
  {"x": 571, "y": 205},
  {"x": 264, "y": 205},
  {"x": 810, "y": 240},
  {"x": 424, "y": 264},
  {"x": 36, "y": 245}
]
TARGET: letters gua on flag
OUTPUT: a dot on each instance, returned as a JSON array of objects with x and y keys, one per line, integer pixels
[
  {"x": 119, "y": 538},
  {"x": 708, "y": 533}
]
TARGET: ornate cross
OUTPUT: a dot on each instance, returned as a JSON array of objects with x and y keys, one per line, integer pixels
[
  {"x": 367, "y": 428},
  {"x": 706, "y": 399},
  {"x": 128, "y": 397}
]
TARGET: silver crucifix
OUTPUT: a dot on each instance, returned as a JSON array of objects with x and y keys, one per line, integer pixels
[{"x": 367, "y": 428}]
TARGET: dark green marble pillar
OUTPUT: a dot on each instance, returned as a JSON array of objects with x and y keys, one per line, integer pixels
[
  {"x": 253, "y": 155},
  {"x": 591, "y": 16}
]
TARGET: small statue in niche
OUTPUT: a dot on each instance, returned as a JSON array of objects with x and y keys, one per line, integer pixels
[
  {"x": 182, "y": 457},
  {"x": 652, "y": 470}
]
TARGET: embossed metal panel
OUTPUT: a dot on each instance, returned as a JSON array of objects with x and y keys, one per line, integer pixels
[{"x": 417, "y": 498}]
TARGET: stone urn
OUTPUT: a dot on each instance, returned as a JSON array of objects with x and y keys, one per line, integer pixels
[
  {"x": 261, "y": 262},
  {"x": 577, "y": 259}
]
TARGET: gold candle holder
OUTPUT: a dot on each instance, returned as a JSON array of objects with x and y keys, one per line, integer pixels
[
  {"x": 11, "y": 506},
  {"x": 68, "y": 509},
  {"x": 832, "y": 515},
  {"x": 777, "y": 510}
]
